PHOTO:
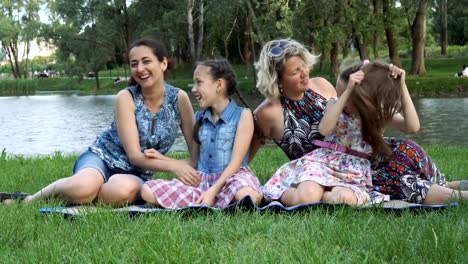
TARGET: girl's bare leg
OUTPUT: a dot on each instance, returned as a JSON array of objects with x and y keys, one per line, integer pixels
[
  {"x": 257, "y": 197},
  {"x": 306, "y": 192},
  {"x": 340, "y": 194},
  {"x": 441, "y": 195}
]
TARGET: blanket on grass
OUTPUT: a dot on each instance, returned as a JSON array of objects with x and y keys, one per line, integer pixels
[{"x": 244, "y": 204}]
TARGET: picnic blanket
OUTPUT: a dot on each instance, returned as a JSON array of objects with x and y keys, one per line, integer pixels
[{"x": 244, "y": 204}]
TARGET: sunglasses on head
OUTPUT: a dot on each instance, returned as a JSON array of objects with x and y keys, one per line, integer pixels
[{"x": 278, "y": 49}]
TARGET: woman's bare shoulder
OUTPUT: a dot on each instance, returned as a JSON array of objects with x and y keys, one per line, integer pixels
[
  {"x": 323, "y": 87},
  {"x": 267, "y": 108}
]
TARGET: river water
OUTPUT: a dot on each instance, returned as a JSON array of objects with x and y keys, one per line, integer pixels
[{"x": 44, "y": 124}]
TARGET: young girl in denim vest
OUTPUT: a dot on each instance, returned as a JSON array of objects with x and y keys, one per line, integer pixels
[
  {"x": 222, "y": 134},
  {"x": 340, "y": 170}
]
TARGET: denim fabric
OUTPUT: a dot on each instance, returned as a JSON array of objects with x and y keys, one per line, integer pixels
[
  {"x": 156, "y": 131},
  {"x": 217, "y": 139},
  {"x": 89, "y": 159}
]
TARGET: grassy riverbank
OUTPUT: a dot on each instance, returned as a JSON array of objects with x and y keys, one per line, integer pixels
[
  {"x": 438, "y": 82},
  {"x": 318, "y": 235}
]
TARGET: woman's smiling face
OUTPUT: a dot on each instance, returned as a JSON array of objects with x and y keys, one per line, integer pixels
[{"x": 145, "y": 67}]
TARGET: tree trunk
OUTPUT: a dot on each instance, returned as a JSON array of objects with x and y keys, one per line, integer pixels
[
  {"x": 254, "y": 54},
  {"x": 322, "y": 59},
  {"x": 443, "y": 28},
  {"x": 200, "y": 29},
  {"x": 26, "y": 60},
  {"x": 334, "y": 60},
  {"x": 11, "y": 63},
  {"x": 13, "y": 51},
  {"x": 253, "y": 19},
  {"x": 96, "y": 77},
  {"x": 375, "y": 43},
  {"x": 126, "y": 25},
  {"x": 227, "y": 37},
  {"x": 362, "y": 49},
  {"x": 391, "y": 42},
  {"x": 190, "y": 4},
  {"x": 418, "y": 37},
  {"x": 345, "y": 49}
]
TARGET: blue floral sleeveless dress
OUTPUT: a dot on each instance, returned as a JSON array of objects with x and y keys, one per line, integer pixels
[{"x": 156, "y": 131}]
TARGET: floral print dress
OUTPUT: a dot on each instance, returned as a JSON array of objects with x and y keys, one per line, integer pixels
[{"x": 321, "y": 164}]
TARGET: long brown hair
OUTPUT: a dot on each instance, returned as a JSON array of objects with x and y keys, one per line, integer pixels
[{"x": 376, "y": 100}]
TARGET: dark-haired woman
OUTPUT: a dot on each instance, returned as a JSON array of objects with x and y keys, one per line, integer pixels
[{"x": 147, "y": 116}]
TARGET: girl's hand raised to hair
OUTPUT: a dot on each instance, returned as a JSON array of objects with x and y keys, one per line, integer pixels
[
  {"x": 355, "y": 79},
  {"x": 396, "y": 72}
]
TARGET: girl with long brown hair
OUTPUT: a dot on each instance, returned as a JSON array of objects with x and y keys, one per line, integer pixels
[{"x": 353, "y": 125}]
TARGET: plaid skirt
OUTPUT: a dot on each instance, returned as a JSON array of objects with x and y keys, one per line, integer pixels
[{"x": 173, "y": 194}]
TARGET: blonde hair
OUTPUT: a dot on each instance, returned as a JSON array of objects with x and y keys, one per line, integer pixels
[{"x": 269, "y": 68}]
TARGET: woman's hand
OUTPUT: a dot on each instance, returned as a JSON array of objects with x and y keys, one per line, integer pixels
[
  {"x": 183, "y": 169},
  {"x": 186, "y": 173},
  {"x": 208, "y": 197},
  {"x": 154, "y": 154}
]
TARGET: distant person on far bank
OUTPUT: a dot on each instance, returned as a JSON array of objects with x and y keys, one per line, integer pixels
[{"x": 463, "y": 72}]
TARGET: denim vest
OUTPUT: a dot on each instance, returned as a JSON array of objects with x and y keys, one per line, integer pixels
[{"x": 217, "y": 139}]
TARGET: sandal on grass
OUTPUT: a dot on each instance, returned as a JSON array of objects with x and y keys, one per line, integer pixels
[
  {"x": 463, "y": 185},
  {"x": 18, "y": 196}
]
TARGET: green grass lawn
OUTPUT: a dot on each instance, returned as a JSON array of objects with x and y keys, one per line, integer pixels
[{"x": 316, "y": 235}]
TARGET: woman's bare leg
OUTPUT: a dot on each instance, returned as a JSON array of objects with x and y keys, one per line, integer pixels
[
  {"x": 441, "y": 195},
  {"x": 120, "y": 190},
  {"x": 306, "y": 192},
  {"x": 80, "y": 188}
]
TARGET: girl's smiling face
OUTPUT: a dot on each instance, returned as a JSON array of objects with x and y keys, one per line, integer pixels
[{"x": 204, "y": 88}]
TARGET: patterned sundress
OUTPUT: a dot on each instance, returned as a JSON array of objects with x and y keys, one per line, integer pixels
[
  {"x": 407, "y": 176},
  {"x": 301, "y": 120},
  {"x": 319, "y": 166}
]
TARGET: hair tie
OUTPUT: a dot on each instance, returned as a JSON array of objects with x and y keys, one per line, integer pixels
[{"x": 364, "y": 62}]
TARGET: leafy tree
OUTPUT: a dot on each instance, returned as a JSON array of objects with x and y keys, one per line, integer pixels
[
  {"x": 417, "y": 23},
  {"x": 388, "y": 16},
  {"x": 19, "y": 23},
  {"x": 457, "y": 21},
  {"x": 83, "y": 35}
]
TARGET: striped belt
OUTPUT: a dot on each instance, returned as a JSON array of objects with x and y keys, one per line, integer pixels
[{"x": 340, "y": 148}]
